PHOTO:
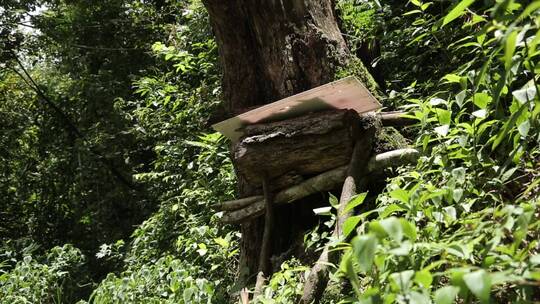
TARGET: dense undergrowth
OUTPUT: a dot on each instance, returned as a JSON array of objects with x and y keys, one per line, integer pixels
[{"x": 460, "y": 226}]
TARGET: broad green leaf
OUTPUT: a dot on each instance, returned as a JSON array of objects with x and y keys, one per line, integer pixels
[
  {"x": 525, "y": 95},
  {"x": 459, "y": 174},
  {"x": 480, "y": 113},
  {"x": 408, "y": 229},
  {"x": 188, "y": 294},
  {"x": 452, "y": 78},
  {"x": 444, "y": 116},
  {"x": 393, "y": 228},
  {"x": 222, "y": 242},
  {"x": 482, "y": 100},
  {"x": 524, "y": 127},
  {"x": 446, "y": 295},
  {"x": 460, "y": 97},
  {"x": 334, "y": 202},
  {"x": 402, "y": 279},
  {"x": 436, "y": 101},
  {"x": 426, "y": 5},
  {"x": 479, "y": 283},
  {"x": 535, "y": 259},
  {"x": 403, "y": 249},
  {"x": 364, "y": 248},
  {"x": 419, "y": 298},
  {"x": 457, "y": 11},
  {"x": 442, "y": 130},
  {"x": 388, "y": 210},
  {"x": 423, "y": 278},
  {"x": 350, "y": 224},
  {"x": 400, "y": 194},
  {"x": 457, "y": 194},
  {"x": 355, "y": 201}
]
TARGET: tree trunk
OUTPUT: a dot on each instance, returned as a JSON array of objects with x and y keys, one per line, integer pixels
[{"x": 269, "y": 50}]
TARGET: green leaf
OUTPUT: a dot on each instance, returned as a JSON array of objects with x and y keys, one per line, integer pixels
[
  {"x": 364, "y": 248},
  {"x": 482, "y": 100},
  {"x": 334, "y": 202},
  {"x": 423, "y": 278},
  {"x": 403, "y": 249},
  {"x": 222, "y": 242},
  {"x": 457, "y": 11},
  {"x": 446, "y": 295},
  {"x": 355, "y": 201},
  {"x": 535, "y": 5},
  {"x": 452, "y": 78},
  {"x": 393, "y": 228},
  {"x": 400, "y": 194},
  {"x": 442, "y": 130},
  {"x": 388, "y": 210},
  {"x": 524, "y": 95},
  {"x": 350, "y": 224},
  {"x": 524, "y": 127},
  {"x": 535, "y": 259},
  {"x": 444, "y": 116},
  {"x": 509, "y": 49},
  {"x": 419, "y": 298},
  {"x": 479, "y": 283},
  {"x": 459, "y": 174},
  {"x": 457, "y": 194},
  {"x": 408, "y": 229},
  {"x": 480, "y": 113},
  {"x": 436, "y": 101},
  {"x": 402, "y": 279}
]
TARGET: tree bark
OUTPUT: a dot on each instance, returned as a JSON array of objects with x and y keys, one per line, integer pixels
[{"x": 269, "y": 50}]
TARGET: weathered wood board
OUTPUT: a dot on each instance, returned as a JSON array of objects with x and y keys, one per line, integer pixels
[{"x": 346, "y": 93}]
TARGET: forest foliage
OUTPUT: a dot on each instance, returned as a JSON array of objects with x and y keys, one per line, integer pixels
[{"x": 108, "y": 165}]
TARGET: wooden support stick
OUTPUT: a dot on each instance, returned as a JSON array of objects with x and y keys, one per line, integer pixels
[
  {"x": 317, "y": 279},
  {"x": 395, "y": 119},
  {"x": 322, "y": 182},
  {"x": 264, "y": 256}
]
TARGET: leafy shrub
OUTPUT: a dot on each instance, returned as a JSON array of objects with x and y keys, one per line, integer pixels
[
  {"x": 168, "y": 280},
  {"x": 53, "y": 279},
  {"x": 463, "y": 223}
]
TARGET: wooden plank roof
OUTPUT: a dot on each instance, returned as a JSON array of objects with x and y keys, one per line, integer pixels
[{"x": 346, "y": 93}]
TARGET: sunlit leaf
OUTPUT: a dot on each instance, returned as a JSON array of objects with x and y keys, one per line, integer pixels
[
  {"x": 446, "y": 295},
  {"x": 509, "y": 49},
  {"x": 355, "y": 201},
  {"x": 423, "y": 278},
  {"x": 442, "y": 130},
  {"x": 364, "y": 248},
  {"x": 350, "y": 224},
  {"x": 479, "y": 283},
  {"x": 457, "y": 11}
]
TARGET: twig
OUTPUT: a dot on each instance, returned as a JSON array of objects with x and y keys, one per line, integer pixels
[{"x": 264, "y": 256}]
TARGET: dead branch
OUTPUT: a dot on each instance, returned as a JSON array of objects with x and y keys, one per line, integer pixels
[
  {"x": 395, "y": 119},
  {"x": 264, "y": 256},
  {"x": 237, "y": 204},
  {"x": 317, "y": 279},
  {"x": 322, "y": 182}
]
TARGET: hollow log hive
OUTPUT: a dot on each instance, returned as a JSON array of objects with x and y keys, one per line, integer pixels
[{"x": 292, "y": 150}]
